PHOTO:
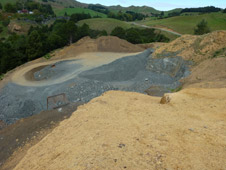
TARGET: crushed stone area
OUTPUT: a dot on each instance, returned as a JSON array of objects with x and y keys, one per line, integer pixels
[{"x": 128, "y": 74}]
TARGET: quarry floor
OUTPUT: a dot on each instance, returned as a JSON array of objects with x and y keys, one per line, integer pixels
[{"x": 124, "y": 130}]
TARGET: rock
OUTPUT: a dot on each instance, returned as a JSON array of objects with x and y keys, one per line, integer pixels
[
  {"x": 165, "y": 99},
  {"x": 121, "y": 145},
  {"x": 191, "y": 129}
]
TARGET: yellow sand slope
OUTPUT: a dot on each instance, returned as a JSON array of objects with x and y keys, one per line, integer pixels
[{"x": 130, "y": 130}]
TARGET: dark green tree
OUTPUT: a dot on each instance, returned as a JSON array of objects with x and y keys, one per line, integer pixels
[
  {"x": 133, "y": 36},
  {"x": 54, "y": 41},
  {"x": 0, "y": 6},
  {"x": 83, "y": 31},
  {"x": 119, "y": 32},
  {"x": 34, "y": 46},
  {"x": 202, "y": 28},
  {"x": 10, "y": 8},
  {"x": 224, "y": 11},
  {"x": 6, "y": 22},
  {"x": 71, "y": 29}
]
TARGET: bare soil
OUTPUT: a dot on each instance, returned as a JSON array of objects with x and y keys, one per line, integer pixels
[
  {"x": 21, "y": 135},
  {"x": 129, "y": 130},
  {"x": 194, "y": 48},
  {"x": 210, "y": 73}
]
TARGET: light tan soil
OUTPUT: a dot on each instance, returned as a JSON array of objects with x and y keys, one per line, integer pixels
[
  {"x": 129, "y": 130},
  {"x": 195, "y": 48},
  {"x": 210, "y": 73}
]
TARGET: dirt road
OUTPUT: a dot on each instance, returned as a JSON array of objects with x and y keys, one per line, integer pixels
[{"x": 162, "y": 29}]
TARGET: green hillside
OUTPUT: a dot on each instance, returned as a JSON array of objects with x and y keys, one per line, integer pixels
[
  {"x": 186, "y": 24},
  {"x": 70, "y": 11},
  {"x": 3, "y": 2},
  {"x": 107, "y": 24},
  {"x": 143, "y": 9}
]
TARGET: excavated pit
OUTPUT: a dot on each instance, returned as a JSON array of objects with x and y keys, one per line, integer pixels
[{"x": 136, "y": 73}]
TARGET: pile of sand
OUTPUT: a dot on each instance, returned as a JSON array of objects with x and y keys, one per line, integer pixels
[
  {"x": 101, "y": 44},
  {"x": 195, "y": 48},
  {"x": 129, "y": 130},
  {"x": 210, "y": 73}
]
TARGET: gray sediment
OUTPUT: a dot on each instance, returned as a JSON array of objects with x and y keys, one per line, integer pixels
[{"x": 135, "y": 73}]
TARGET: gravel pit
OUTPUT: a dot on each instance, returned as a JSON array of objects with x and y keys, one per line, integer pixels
[{"x": 131, "y": 73}]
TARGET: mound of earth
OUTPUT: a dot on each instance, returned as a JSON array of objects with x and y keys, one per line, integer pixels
[
  {"x": 129, "y": 130},
  {"x": 210, "y": 73},
  {"x": 101, "y": 44},
  {"x": 195, "y": 48}
]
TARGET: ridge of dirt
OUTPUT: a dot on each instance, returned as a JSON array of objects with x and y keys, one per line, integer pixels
[
  {"x": 101, "y": 44},
  {"x": 129, "y": 130},
  {"x": 195, "y": 48}
]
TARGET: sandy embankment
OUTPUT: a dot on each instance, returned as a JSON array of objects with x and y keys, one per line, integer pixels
[{"x": 129, "y": 130}]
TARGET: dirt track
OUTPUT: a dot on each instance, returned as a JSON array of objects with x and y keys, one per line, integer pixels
[{"x": 86, "y": 60}]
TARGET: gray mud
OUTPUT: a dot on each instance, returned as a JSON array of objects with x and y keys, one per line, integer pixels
[{"x": 133, "y": 73}]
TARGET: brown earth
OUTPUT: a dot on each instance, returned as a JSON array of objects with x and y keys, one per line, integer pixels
[
  {"x": 210, "y": 73},
  {"x": 101, "y": 44},
  {"x": 195, "y": 48},
  {"x": 129, "y": 130}
]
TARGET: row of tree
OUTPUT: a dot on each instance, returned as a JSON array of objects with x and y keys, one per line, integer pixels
[
  {"x": 18, "y": 49},
  {"x": 45, "y": 9},
  {"x": 202, "y": 9},
  {"x": 139, "y": 36}
]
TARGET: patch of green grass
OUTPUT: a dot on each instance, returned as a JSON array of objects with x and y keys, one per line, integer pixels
[
  {"x": 219, "y": 53},
  {"x": 176, "y": 90},
  {"x": 186, "y": 24},
  {"x": 107, "y": 24},
  {"x": 70, "y": 11},
  {"x": 47, "y": 56}
]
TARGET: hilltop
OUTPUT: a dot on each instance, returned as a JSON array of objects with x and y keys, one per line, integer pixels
[{"x": 185, "y": 24}]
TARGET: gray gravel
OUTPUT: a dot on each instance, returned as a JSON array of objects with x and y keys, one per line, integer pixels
[{"x": 130, "y": 73}]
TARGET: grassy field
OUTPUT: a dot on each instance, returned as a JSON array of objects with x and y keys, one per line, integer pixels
[
  {"x": 186, "y": 24},
  {"x": 79, "y": 10},
  {"x": 107, "y": 24}
]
